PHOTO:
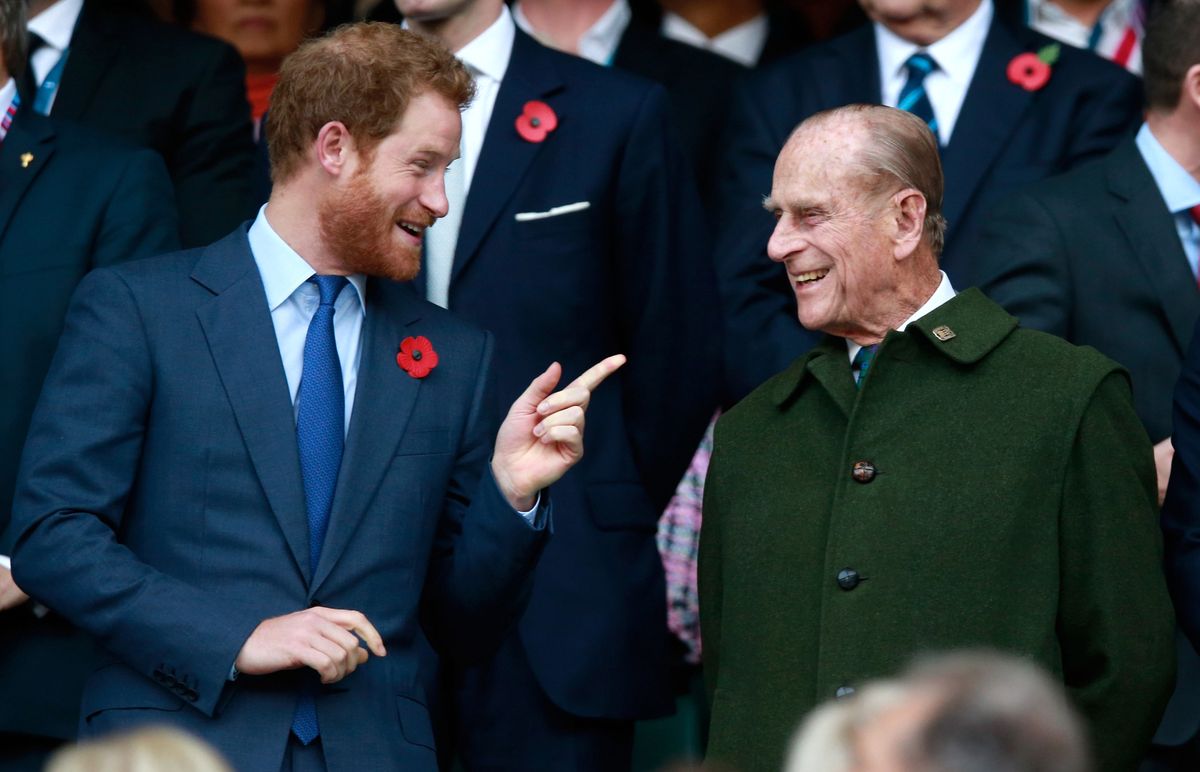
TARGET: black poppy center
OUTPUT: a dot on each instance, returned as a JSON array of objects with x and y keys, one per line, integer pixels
[
  {"x": 535, "y": 122},
  {"x": 416, "y": 356}
]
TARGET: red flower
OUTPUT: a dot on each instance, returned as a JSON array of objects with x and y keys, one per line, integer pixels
[
  {"x": 417, "y": 356},
  {"x": 1031, "y": 71},
  {"x": 536, "y": 122}
]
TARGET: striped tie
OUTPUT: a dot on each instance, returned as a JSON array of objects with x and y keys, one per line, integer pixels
[{"x": 913, "y": 97}]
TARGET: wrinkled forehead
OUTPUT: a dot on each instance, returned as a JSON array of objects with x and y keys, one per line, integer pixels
[{"x": 821, "y": 153}]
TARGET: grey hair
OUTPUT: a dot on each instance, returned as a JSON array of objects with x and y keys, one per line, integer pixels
[
  {"x": 900, "y": 147},
  {"x": 1000, "y": 714}
]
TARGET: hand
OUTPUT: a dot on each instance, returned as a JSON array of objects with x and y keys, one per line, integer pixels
[
  {"x": 321, "y": 638},
  {"x": 11, "y": 595},
  {"x": 542, "y": 437},
  {"x": 1164, "y": 453}
]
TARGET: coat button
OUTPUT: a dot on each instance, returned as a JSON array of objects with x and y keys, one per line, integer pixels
[
  {"x": 843, "y": 692},
  {"x": 863, "y": 472},
  {"x": 848, "y": 579}
]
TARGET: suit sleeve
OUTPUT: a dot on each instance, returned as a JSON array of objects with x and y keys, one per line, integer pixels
[
  {"x": 80, "y": 462},
  {"x": 761, "y": 331},
  {"x": 668, "y": 308},
  {"x": 484, "y": 552},
  {"x": 212, "y": 162},
  {"x": 140, "y": 219},
  {"x": 1022, "y": 262},
  {"x": 1115, "y": 625},
  {"x": 1181, "y": 510}
]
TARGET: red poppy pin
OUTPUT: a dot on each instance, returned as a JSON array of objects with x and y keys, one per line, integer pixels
[
  {"x": 536, "y": 122},
  {"x": 1031, "y": 71},
  {"x": 417, "y": 357}
]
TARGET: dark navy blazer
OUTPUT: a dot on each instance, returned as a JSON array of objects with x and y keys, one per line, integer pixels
[
  {"x": 160, "y": 507},
  {"x": 631, "y": 273}
]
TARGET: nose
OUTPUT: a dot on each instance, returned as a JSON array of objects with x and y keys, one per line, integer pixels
[
  {"x": 433, "y": 195},
  {"x": 785, "y": 239}
]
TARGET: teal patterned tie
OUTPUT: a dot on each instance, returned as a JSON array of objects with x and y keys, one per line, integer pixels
[
  {"x": 913, "y": 97},
  {"x": 862, "y": 363}
]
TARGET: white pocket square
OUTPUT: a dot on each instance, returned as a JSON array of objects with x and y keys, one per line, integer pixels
[{"x": 578, "y": 206}]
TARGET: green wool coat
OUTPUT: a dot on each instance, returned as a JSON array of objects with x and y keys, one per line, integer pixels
[{"x": 1013, "y": 506}]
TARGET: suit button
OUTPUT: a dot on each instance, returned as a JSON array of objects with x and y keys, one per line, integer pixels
[
  {"x": 863, "y": 472},
  {"x": 848, "y": 578},
  {"x": 843, "y": 692}
]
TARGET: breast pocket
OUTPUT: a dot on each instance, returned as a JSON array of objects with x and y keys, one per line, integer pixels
[{"x": 425, "y": 442}]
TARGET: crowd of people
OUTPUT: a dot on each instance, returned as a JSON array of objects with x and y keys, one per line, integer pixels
[{"x": 877, "y": 322}]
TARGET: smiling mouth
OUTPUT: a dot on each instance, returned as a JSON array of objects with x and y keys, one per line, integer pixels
[
  {"x": 411, "y": 229},
  {"x": 811, "y": 277}
]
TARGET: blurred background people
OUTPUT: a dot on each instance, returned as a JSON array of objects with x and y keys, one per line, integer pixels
[
  {"x": 962, "y": 712},
  {"x": 70, "y": 200},
  {"x": 262, "y": 31},
  {"x": 1113, "y": 29},
  {"x": 1106, "y": 256},
  {"x": 957, "y": 66},
  {"x": 156, "y": 749},
  {"x": 176, "y": 92}
]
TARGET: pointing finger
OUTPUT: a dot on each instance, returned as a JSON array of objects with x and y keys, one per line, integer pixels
[{"x": 595, "y": 375}]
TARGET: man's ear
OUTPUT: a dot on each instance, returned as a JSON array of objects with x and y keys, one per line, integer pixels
[
  {"x": 1191, "y": 87},
  {"x": 335, "y": 148},
  {"x": 909, "y": 209}
]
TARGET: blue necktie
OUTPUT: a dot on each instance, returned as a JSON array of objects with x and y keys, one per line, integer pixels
[
  {"x": 320, "y": 434},
  {"x": 913, "y": 97},
  {"x": 862, "y": 363}
]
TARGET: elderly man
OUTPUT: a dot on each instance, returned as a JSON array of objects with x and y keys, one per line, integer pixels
[
  {"x": 250, "y": 457},
  {"x": 928, "y": 477}
]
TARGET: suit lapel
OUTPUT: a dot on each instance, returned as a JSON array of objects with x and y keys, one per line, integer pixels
[
  {"x": 383, "y": 403},
  {"x": 505, "y": 157},
  {"x": 31, "y": 138},
  {"x": 990, "y": 113},
  {"x": 241, "y": 338},
  {"x": 90, "y": 55},
  {"x": 852, "y": 75},
  {"x": 1143, "y": 217}
]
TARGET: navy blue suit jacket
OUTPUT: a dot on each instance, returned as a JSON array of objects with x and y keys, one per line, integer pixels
[
  {"x": 1005, "y": 137},
  {"x": 80, "y": 202},
  {"x": 160, "y": 507},
  {"x": 630, "y": 274}
]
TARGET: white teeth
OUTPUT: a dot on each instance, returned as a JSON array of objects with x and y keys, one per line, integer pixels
[
  {"x": 811, "y": 276},
  {"x": 414, "y": 230}
]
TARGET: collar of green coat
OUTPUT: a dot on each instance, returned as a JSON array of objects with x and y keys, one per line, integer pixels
[{"x": 978, "y": 326}]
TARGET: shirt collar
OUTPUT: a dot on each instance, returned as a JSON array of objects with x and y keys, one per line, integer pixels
[
  {"x": 599, "y": 43},
  {"x": 488, "y": 54},
  {"x": 56, "y": 24},
  {"x": 953, "y": 53},
  {"x": 943, "y": 294},
  {"x": 7, "y": 92},
  {"x": 1179, "y": 189},
  {"x": 283, "y": 270},
  {"x": 743, "y": 42}
]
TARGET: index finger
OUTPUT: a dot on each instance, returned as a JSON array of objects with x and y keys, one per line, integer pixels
[{"x": 595, "y": 375}]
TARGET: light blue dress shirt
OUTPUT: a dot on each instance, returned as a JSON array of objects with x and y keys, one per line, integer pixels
[{"x": 1179, "y": 189}]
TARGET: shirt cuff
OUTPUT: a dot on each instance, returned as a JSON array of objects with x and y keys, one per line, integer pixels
[{"x": 6, "y": 561}]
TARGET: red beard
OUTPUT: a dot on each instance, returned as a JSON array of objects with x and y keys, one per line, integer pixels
[{"x": 359, "y": 229}]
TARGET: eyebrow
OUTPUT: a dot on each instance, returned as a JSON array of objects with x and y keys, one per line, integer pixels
[{"x": 770, "y": 204}]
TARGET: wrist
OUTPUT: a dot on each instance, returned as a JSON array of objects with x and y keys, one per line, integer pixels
[{"x": 518, "y": 499}]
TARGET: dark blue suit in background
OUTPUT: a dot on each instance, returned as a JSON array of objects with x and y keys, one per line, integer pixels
[
  {"x": 631, "y": 273},
  {"x": 160, "y": 507},
  {"x": 1005, "y": 137},
  {"x": 69, "y": 201}
]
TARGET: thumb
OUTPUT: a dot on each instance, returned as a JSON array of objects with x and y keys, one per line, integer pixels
[{"x": 541, "y": 387}]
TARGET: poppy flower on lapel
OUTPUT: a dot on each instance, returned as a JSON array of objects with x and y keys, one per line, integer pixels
[
  {"x": 536, "y": 122},
  {"x": 1031, "y": 71},
  {"x": 417, "y": 357}
]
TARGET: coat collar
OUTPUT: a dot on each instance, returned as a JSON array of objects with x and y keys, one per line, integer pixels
[{"x": 978, "y": 326}]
